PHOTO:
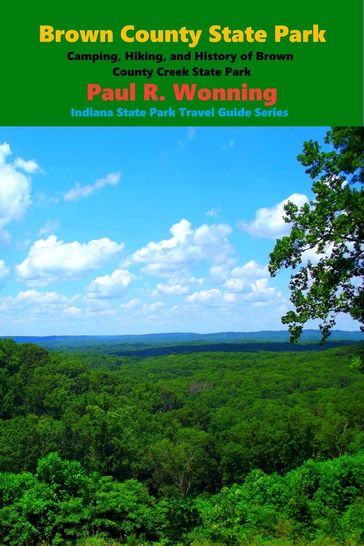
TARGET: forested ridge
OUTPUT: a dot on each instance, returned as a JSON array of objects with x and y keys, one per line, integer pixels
[{"x": 204, "y": 448}]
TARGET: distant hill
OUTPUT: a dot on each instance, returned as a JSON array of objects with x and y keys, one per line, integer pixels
[{"x": 166, "y": 343}]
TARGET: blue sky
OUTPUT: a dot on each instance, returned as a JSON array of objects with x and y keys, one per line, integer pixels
[{"x": 139, "y": 230}]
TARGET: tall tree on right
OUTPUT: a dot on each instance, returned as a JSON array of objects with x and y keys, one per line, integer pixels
[{"x": 325, "y": 244}]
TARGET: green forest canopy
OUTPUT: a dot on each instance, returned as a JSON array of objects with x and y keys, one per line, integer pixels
[{"x": 205, "y": 448}]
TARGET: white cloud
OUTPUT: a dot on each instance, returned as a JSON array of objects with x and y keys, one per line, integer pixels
[
  {"x": 135, "y": 309},
  {"x": 170, "y": 289},
  {"x": 4, "y": 270},
  {"x": 238, "y": 294},
  {"x": 15, "y": 189},
  {"x": 34, "y": 296},
  {"x": 96, "y": 306},
  {"x": 243, "y": 277},
  {"x": 219, "y": 273},
  {"x": 250, "y": 270},
  {"x": 186, "y": 247},
  {"x": 152, "y": 308},
  {"x": 80, "y": 191},
  {"x": 213, "y": 296},
  {"x": 51, "y": 260},
  {"x": 204, "y": 295},
  {"x": 262, "y": 294},
  {"x": 248, "y": 283},
  {"x": 33, "y": 301},
  {"x": 131, "y": 304},
  {"x": 236, "y": 285},
  {"x": 269, "y": 222},
  {"x": 102, "y": 312},
  {"x": 110, "y": 286},
  {"x": 5, "y": 151},
  {"x": 49, "y": 228},
  {"x": 228, "y": 297},
  {"x": 29, "y": 167},
  {"x": 237, "y": 278},
  {"x": 72, "y": 311}
]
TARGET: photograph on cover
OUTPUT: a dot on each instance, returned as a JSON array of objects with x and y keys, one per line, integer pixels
[{"x": 150, "y": 393}]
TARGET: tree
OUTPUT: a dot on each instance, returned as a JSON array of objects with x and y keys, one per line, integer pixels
[{"x": 326, "y": 238}]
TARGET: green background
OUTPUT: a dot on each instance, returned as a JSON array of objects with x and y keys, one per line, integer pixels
[{"x": 322, "y": 86}]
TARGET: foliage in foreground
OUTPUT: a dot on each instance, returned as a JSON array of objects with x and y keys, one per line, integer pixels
[{"x": 317, "y": 503}]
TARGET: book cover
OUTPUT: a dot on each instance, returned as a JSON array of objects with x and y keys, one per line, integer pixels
[{"x": 181, "y": 235}]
